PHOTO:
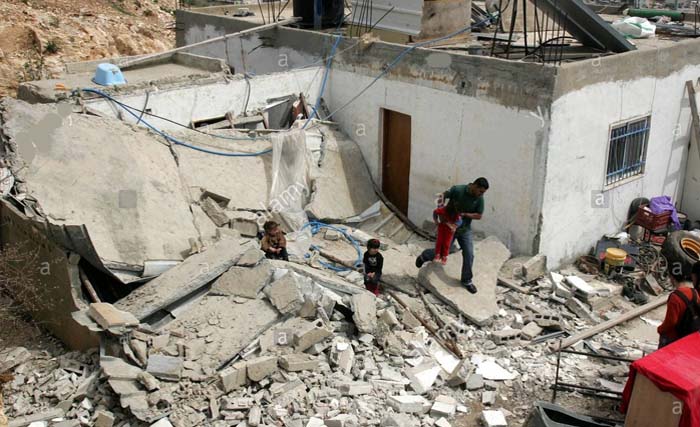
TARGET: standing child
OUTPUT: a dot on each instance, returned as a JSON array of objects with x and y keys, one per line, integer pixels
[
  {"x": 273, "y": 243},
  {"x": 448, "y": 220},
  {"x": 373, "y": 262}
]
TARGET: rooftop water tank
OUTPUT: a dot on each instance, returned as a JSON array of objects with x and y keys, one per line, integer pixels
[
  {"x": 330, "y": 11},
  {"x": 108, "y": 75}
]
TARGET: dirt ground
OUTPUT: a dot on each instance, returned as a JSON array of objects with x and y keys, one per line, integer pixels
[{"x": 38, "y": 37}]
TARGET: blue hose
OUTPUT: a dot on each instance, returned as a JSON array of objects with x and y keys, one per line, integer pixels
[
  {"x": 172, "y": 139},
  {"x": 316, "y": 226},
  {"x": 325, "y": 81}
]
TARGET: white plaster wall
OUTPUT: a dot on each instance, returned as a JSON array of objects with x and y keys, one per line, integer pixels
[
  {"x": 455, "y": 139},
  {"x": 188, "y": 103},
  {"x": 577, "y": 152},
  {"x": 690, "y": 203}
]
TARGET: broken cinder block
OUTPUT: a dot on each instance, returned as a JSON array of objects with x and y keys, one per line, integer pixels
[
  {"x": 364, "y": 307},
  {"x": 261, "y": 367},
  {"x": 234, "y": 377},
  {"x": 409, "y": 404},
  {"x": 534, "y": 268},
  {"x": 298, "y": 362},
  {"x": 285, "y": 295},
  {"x": 165, "y": 367},
  {"x": 109, "y": 317},
  {"x": 215, "y": 212}
]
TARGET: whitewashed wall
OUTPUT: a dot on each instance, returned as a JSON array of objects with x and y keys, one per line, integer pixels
[
  {"x": 196, "y": 102},
  {"x": 455, "y": 139},
  {"x": 576, "y": 160}
]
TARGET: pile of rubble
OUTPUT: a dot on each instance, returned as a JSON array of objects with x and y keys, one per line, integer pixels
[{"x": 251, "y": 342}]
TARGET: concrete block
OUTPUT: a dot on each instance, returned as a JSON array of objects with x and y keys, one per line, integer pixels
[
  {"x": 409, "y": 404},
  {"x": 357, "y": 388},
  {"x": 118, "y": 369},
  {"x": 475, "y": 382},
  {"x": 442, "y": 422},
  {"x": 545, "y": 321},
  {"x": 364, "y": 307},
  {"x": 399, "y": 420},
  {"x": 148, "y": 381},
  {"x": 163, "y": 422},
  {"x": 342, "y": 420},
  {"x": 534, "y": 268},
  {"x": 460, "y": 374},
  {"x": 250, "y": 257},
  {"x": 245, "y": 222},
  {"x": 227, "y": 233},
  {"x": 423, "y": 377},
  {"x": 254, "y": 416},
  {"x": 285, "y": 294},
  {"x": 261, "y": 367},
  {"x": 243, "y": 281},
  {"x": 234, "y": 377},
  {"x": 580, "y": 309},
  {"x": 505, "y": 336},
  {"x": 109, "y": 317},
  {"x": 443, "y": 409},
  {"x": 531, "y": 330},
  {"x": 488, "y": 398},
  {"x": 315, "y": 422},
  {"x": 310, "y": 333},
  {"x": 215, "y": 212},
  {"x": 104, "y": 419},
  {"x": 165, "y": 367},
  {"x": 444, "y": 281},
  {"x": 342, "y": 355},
  {"x": 493, "y": 419},
  {"x": 298, "y": 362},
  {"x": 388, "y": 316},
  {"x": 126, "y": 388}
]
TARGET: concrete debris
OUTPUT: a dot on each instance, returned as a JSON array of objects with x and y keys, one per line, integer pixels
[
  {"x": 399, "y": 420},
  {"x": 298, "y": 362},
  {"x": 242, "y": 281},
  {"x": 245, "y": 222},
  {"x": 109, "y": 317},
  {"x": 261, "y": 367},
  {"x": 534, "y": 268},
  {"x": 215, "y": 212},
  {"x": 342, "y": 355},
  {"x": 444, "y": 407},
  {"x": 444, "y": 281},
  {"x": 493, "y": 419},
  {"x": 165, "y": 367},
  {"x": 234, "y": 377},
  {"x": 423, "y": 377},
  {"x": 531, "y": 330},
  {"x": 364, "y": 307},
  {"x": 409, "y": 404},
  {"x": 285, "y": 294}
]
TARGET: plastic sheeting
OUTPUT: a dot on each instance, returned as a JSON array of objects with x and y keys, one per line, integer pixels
[{"x": 291, "y": 186}]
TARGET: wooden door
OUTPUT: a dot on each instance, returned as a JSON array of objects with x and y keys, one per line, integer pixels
[{"x": 396, "y": 158}]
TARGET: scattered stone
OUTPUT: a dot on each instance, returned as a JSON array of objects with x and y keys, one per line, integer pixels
[
  {"x": 215, "y": 212},
  {"x": 148, "y": 381},
  {"x": 165, "y": 367},
  {"x": 163, "y": 422},
  {"x": 285, "y": 295},
  {"x": 409, "y": 404},
  {"x": 398, "y": 420},
  {"x": 488, "y": 398},
  {"x": 298, "y": 362},
  {"x": 342, "y": 355},
  {"x": 355, "y": 388},
  {"x": 104, "y": 419},
  {"x": 460, "y": 374},
  {"x": 342, "y": 420},
  {"x": 254, "y": 416},
  {"x": 364, "y": 307},
  {"x": 332, "y": 234},
  {"x": 116, "y": 368},
  {"x": 109, "y": 317},
  {"x": 245, "y": 222},
  {"x": 389, "y": 317},
  {"x": 531, "y": 330},
  {"x": 423, "y": 377},
  {"x": 233, "y": 377},
  {"x": 442, "y": 423},
  {"x": 534, "y": 268},
  {"x": 493, "y": 419},
  {"x": 310, "y": 333},
  {"x": 443, "y": 407},
  {"x": 261, "y": 367},
  {"x": 475, "y": 382},
  {"x": 243, "y": 281},
  {"x": 579, "y": 308}
]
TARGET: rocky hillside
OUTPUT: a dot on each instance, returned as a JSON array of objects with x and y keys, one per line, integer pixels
[{"x": 37, "y": 37}]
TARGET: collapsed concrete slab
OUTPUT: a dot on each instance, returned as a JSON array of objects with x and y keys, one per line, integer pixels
[
  {"x": 343, "y": 187},
  {"x": 444, "y": 281},
  {"x": 180, "y": 281},
  {"x": 131, "y": 217},
  {"x": 243, "y": 281}
]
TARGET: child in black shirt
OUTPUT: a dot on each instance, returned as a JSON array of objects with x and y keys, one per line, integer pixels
[{"x": 373, "y": 262}]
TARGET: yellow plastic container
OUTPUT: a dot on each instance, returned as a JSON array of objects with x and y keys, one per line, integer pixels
[{"x": 614, "y": 257}]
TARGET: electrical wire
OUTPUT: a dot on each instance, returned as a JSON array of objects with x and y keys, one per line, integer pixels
[
  {"x": 173, "y": 139},
  {"x": 314, "y": 113},
  {"x": 145, "y": 107},
  {"x": 316, "y": 226}
]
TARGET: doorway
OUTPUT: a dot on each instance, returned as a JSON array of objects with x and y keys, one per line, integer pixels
[{"x": 396, "y": 158}]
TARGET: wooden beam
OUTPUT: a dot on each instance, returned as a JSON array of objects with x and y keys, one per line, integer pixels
[
  {"x": 694, "y": 111},
  {"x": 610, "y": 323},
  {"x": 512, "y": 284}
]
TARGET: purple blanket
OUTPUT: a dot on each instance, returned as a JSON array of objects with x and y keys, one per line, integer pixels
[{"x": 663, "y": 204}]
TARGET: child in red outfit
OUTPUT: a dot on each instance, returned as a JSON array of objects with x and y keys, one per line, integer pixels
[{"x": 448, "y": 220}]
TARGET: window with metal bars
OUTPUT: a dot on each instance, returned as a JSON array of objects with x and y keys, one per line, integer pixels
[{"x": 627, "y": 152}]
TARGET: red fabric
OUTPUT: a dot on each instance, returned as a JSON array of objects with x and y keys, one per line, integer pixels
[
  {"x": 673, "y": 369},
  {"x": 444, "y": 232},
  {"x": 674, "y": 313}
]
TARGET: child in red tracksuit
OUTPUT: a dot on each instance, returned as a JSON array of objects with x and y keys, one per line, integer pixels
[{"x": 448, "y": 220}]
